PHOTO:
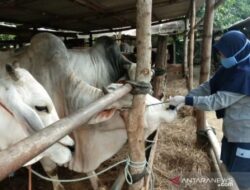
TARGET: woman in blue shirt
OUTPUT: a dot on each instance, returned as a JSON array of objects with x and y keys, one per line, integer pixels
[{"x": 228, "y": 93}]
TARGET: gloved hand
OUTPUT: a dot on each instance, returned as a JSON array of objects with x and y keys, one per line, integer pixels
[{"x": 177, "y": 101}]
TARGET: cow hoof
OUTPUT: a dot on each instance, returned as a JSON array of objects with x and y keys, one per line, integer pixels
[
  {"x": 102, "y": 188},
  {"x": 59, "y": 187}
]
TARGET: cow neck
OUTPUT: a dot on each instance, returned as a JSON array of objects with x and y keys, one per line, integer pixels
[
  {"x": 4, "y": 107},
  {"x": 79, "y": 93}
]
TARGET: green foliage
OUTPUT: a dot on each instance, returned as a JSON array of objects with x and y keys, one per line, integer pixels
[
  {"x": 6, "y": 37},
  {"x": 228, "y": 13}
]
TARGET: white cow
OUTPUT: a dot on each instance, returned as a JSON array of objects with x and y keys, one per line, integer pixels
[
  {"x": 67, "y": 76},
  {"x": 25, "y": 107},
  {"x": 104, "y": 139}
]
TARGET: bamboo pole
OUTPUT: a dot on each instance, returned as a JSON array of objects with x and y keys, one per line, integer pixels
[
  {"x": 135, "y": 127},
  {"x": 17, "y": 155},
  {"x": 215, "y": 163},
  {"x": 161, "y": 62},
  {"x": 206, "y": 55},
  {"x": 217, "y": 150},
  {"x": 185, "y": 61},
  {"x": 191, "y": 45}
]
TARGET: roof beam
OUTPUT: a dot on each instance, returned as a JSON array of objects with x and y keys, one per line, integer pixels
[
  {"x": 100, "y": 9},
  {"x": 53, "y": 21},
  {"x": 122, "y": 29},
  {"x": 20, "y": 31},
  {"x": 16, "y": 3},
  {"x": 131, "y": 8},
  {"x": 240, "y": 24}
]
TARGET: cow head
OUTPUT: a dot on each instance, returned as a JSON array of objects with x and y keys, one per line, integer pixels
[
  {"x": 158, "y": 110},
  {"x": 25, "y": 107}
]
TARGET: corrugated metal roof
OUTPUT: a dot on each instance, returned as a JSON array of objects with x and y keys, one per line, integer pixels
[{"x": 87, "y": 15}]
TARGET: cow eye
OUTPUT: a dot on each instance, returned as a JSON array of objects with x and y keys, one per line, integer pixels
[{"x": 42, "y": 109}]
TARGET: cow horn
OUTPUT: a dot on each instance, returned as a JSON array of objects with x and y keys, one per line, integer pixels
[
  {"x": 15, "y": 64},
  {"x": 105, "y": 90},
  {"x": 11, "y": 71}
]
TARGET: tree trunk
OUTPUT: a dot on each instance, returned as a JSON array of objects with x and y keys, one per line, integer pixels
[
  {"x": 161, "y": 63},
  {"x": 135, "y": 127}
]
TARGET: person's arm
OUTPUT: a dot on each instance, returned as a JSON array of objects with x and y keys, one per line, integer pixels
[
  {"x": 202, "y": 90},
  {"x": 217, "y": 101}
]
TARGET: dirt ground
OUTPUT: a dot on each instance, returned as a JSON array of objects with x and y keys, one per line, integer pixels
[{"x": 177, "y": 155}]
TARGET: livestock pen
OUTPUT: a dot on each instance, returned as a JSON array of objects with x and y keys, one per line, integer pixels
[{"x": 86, "y": 17}]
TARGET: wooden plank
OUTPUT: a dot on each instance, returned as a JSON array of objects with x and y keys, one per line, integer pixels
[{"x": 151, "y": 160}]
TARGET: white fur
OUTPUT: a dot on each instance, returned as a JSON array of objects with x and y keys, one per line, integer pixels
[
  {"x": 22, "y": 120},
  {"x": 64, "y": 74}
]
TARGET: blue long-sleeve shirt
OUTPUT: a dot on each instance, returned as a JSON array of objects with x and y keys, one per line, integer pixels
[{"x": 236, "y": 122}]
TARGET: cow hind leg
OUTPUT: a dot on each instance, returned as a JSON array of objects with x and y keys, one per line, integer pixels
[
  {"x": 50, "y": 168},
  {"x": 95, "y": 181},
  {"x": 119, "y": 182}
]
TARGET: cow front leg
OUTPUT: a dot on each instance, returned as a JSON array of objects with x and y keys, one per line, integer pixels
[
  {"x": 50, "y": 168},
  {"x": 95, "y": 181}
]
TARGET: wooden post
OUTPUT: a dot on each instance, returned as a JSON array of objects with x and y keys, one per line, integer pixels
[
  {"x": 191, "y": 45},
  {"x": 174, "y": 49},
  {"x": 161, "y": 62},
  {"x": 90, "y": 40},
  {"x": 185, "y": 61},
  {"x": 135, "y": 128},
  {"x": 119, "y": 38},
  {"x": 206, "y": 55}
]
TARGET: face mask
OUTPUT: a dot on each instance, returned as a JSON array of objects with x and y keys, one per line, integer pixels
[{"x": 231, "y": 61}]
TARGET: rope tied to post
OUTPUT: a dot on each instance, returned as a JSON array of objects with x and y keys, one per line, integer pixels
[
  {"x": 140, "y": 87},
  {"x": 203, "y": 132},
  {"x": 128, "y": 163},
  {"x": 131, "y": 179},
  {"x": 157, "y": 71}
]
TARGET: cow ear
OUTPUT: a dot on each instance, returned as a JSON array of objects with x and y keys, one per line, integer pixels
[{"x": 102, "y": 116}]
